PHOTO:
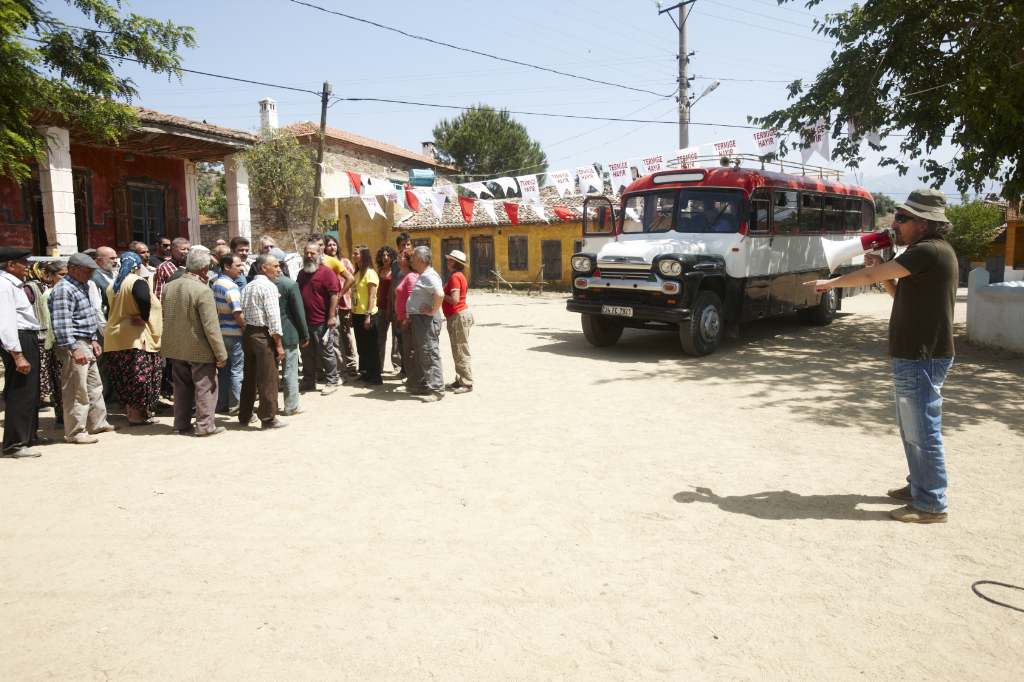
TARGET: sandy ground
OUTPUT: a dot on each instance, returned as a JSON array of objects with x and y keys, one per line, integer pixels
[{"x": 624, "y": 513}]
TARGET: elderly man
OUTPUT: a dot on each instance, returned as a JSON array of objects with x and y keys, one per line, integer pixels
[
  {"x": 261, "y": 343},
  {"x": 228, "y": 298},
  {"x": 193, "y": 344},
  {"x": 320, "y": 289},
  {"x": 20, "y": 352},
  {"x": 424, "y": 308},
  {"x": 294, "y": 335},
  {"x": 103, "y": 276},
  {"x": 922, "y": 281},
  {"x": 76, "y": 334}
]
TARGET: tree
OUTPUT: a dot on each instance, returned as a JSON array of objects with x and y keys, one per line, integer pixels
[
  {"x": 281, "y": 178},
  {"x": 212, "y": 191},
  {"x": 884, "y": 204},
  {"x": 975, "y": 225},
  {"x": 922, "y": 70},
  {"x": 484, "y": 142},
  {"x": 66, "y": 73}
]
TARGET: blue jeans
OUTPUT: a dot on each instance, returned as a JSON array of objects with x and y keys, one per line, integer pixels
[
  {"x": 918, "y": 385},
  {"x": 229, "y": 377}
]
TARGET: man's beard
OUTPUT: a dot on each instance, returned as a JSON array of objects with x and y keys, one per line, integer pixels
[{"x": 310, "y": 266}]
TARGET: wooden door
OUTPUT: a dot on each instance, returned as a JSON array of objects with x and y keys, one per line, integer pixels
[
  {"x": 447, "y": 246},
  {"x": 481, "y": 260},
  {"x": 81, "y": 182},
  {"x": 551, "y": 258}
]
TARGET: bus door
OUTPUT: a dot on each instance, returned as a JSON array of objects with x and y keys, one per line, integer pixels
[
  {"x": 758, "y": 252},
  {"x": 598, "y": 223},
  {"x": 785, "y": 231}
]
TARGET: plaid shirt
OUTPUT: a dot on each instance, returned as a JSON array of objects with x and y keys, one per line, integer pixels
[
  {"x": 163, "y": 275},
  {"x": 260, "y": 304},
  {"x": 72, "y": 315}
]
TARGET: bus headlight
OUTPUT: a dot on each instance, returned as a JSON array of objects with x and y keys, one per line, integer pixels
[
  {"x": 582, "y": 263},
  {"x": 670, "y": 268}
]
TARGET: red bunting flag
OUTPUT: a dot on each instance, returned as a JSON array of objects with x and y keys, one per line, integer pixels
[
  {"x": 411, "y": 200},
  {"x": 513, "y": 212},
  {"x": 357, "y": 182},
  {"x": 466, "y": 204},
  {"x": 564, "y": 213}
]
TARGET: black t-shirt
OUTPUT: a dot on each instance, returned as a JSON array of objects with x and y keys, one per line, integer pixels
[{"x": 921, "y": 324}]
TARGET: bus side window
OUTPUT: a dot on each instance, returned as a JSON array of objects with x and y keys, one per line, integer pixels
[
  {"x": 835, "y": 213},
  {"x": 852, "y": 223},
  {"x": 785, "y": 212},
  {"x": 760, "y": 205},
  {"x": 867, "y": 220},
  {"x": 810, "y": 213}
]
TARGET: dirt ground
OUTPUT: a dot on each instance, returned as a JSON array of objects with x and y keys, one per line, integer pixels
[{"x": 624, "y": 513}]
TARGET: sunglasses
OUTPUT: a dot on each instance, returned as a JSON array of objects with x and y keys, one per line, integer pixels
[{"x": 902, "y": 218}]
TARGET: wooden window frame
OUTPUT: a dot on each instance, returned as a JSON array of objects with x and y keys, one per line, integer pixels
[{"x": 525, "y": 266}]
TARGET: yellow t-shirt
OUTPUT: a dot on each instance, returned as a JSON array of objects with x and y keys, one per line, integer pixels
[
  {"x": 334, "y": 264},
  {"x": 361, "y": 303}
]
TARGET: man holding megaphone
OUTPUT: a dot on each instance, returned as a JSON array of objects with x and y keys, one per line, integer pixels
[{"x": 922, "y": 281}]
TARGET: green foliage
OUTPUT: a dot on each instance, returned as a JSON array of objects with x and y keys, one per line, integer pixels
[
  {"x": 975, "y": 225},
  {"x": 884, "y": 204},
  {"x": 66, "y": 74},
  {"x": 923, "y": 70},
  {"x": 484, "y": 142},
  {"x": 213, "y": 201},
  {"x": 281, "y": 179}
]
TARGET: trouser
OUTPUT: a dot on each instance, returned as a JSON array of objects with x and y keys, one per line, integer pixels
[
  {"x": 410, "y": 363},
  {"x": 397, "y": 351},
  {"x": 426, "y": 332},
  {"x": 259, "y": 375},
  {"x": 103, "y": 364},
  {"x": 383, "y": 327},
  {"x": 166, "y": 384},
  {"x": 459, "y": 325},
  {"x": 366, "y": 346},
  {"x": 290, "y": 372},
  {"x": 21, "y": 393},
  {"x": 81, "y": 392},
  {"x": 918, "y": 390},
  {"x": 345, "y": 344},
  {"x": 319, "y": 355},
  {"x": 195, "y": 384},
  {"x": 229, "y": 377}
]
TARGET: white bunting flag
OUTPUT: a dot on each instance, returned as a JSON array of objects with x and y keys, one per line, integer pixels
[
  {"x": 422, "y": 196},
  {"x": 725, "y": 148},
  {"x": 477, "y": 188},
  {"x": 335, "y": 185},
  {"x": 618, "y": 173},
  {"x": 538, "y": 208},
  {"x": 372, "y": 207},
  {"x": 506, "y": 184},
  {"x": 652, "y": 164},
  {"x": 488, "y": 208},
  {"x": 529, "y": 188},
  {"x": 819, "y": 141},
  {"x": 871, "y": 136},
  {"x": 766, "y": 141},
  {"x": 562, "y": 180},
  {"x": 393, "y": 196},
  {"x": 689, "y": 157},
  {"x": 590, "y": 181},
  {"x": 437, "y": 199}
]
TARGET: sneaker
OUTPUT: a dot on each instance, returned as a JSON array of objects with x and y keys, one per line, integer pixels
[
  {"x": 19, "y": 452},
  {"x": 452, "y": 386},
  {"x": 908, "y": 514},
  {"x": 431, "y": 397},
  {"x": 82, "y": 439},
  {"x": 901, "y": 493},
  {"x": 462, "y": 389},
  {"x": 219, "y": 429},
  {"x": 274, "y": 424},
  {"x": 288, "y": 413},
  {"x": 233, "y": 411},
  {"x": 107, "y": 428},
  {"x": 328, "y": 389}
]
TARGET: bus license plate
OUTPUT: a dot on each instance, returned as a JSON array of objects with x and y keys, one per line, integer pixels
[{"x": 617, "y": 310}]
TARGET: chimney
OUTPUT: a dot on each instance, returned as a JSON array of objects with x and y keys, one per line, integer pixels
[
  {"x": 268, "y": 113},
  {"x": 428, "y": 149}
]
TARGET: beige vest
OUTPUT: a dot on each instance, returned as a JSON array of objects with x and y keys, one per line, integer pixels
[{"x": 121, "y": 334}]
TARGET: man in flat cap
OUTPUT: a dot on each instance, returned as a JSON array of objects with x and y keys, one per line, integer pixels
[
  {"x": 922, "y": 281},
  {"x": 75, "y": 330},
  {"x": 20, "y": 352}
]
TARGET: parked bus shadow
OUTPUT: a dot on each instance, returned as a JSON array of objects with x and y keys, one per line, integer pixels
[
  {"x": 784, "y": 505},
  {"x": 834, "y": 374}
]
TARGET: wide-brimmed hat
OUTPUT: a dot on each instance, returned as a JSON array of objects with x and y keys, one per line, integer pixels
[
  {"x": 457, "y": 256},
  {"x": 9, "y": 253},
  {"x": 927, "y": 204}
]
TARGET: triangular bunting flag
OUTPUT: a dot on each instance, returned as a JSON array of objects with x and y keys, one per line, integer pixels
[
  {"x": 477, "y": 188},
  {"x": 437, "y": 199},
  {"x": 506, "y": 184},
  {"x": 488, "y": 207},
  {"x": 512, "y": 210},
  {"x": 447, "y": 190},
  {"x": 564, "y": 213},
  {"x": 357, "y": 182},
  {"x": 466, "y": 205},
  {"x": 538, "y": 208},
  {"x": 590, "y": 181},
  {"x": 411, "y": 200},
  {"x": 372, "y": 207},
  {"x": 562, "y": 180}
]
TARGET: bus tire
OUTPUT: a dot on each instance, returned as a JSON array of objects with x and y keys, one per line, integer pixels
[
  {"x": 701, "y": 334},
  {"x": 824, "y": 312},
  {"x": 600, "y": 331}
]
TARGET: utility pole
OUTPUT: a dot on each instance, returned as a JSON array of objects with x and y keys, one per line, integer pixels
[
  {"x": 325, "y": 96},
  {"x": 684, "y": 60}
]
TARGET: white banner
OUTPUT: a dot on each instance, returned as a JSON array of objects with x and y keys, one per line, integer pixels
[
  {"x": 422, "y": 195},
  {"x": 447, "y": 190},
  {"x": 590, "y": 181},
  {"x": 766, "y": 141},
  {"x": 506, "y": 184},
  {"x": 652, "y": 164},
  {"x": 395, "y": 196},
  {"x": 618, "y": 173},
  {"x": 372, "y": 207},
  {"x": 376, "y": 186},
  {"x": 725, "y": 147},
  {"x": 335, "y": 185},
  {"x": 488, "y": 207},
  {"x": 537, "y": 207},
  {"x": 871, "y": 136},
  {"x": 437, "y": 199},
  {"x": 819, "y": 141},
  {"x": 529, "y": 187},
  {"x": 477, "y": 188},
  {"x": 562, "y": 180},
  {"x": 683, "y": 158}
]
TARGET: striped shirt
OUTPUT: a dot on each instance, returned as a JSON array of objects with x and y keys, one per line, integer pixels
[
  {"x": 229, "y": 301},
  {"x": 260, "y": 304},
  {"x": 72, "y": 315}
]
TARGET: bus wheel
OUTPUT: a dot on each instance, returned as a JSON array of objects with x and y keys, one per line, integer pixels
[
  {"x": 600, "y": 331},
  {"x": 701, "y": 334},
  {"x": 824, "y": 312}
]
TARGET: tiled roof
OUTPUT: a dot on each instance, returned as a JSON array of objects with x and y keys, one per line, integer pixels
[
  {"x": 451, "y": 216},
  {"x": 305, "y": 128},
  {"x": 159, "y": 118}
]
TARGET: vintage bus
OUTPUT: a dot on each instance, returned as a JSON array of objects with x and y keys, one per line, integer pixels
[{"x": 702, "y": 250}]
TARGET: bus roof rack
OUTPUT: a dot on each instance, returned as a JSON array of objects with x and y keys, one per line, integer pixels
[{"x": 753, "y": 160}]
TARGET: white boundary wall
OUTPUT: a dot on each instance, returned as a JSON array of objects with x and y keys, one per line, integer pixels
[{"x": 995, "y": 312}]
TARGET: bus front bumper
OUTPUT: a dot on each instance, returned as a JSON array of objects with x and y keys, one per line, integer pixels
[{"x": 639, "y": 313}]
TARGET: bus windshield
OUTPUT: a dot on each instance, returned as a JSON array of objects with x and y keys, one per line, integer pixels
[{"x": 688, "y": 210}]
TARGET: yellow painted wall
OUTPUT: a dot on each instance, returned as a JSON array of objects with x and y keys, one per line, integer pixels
[{"x": 375, "y": 232}]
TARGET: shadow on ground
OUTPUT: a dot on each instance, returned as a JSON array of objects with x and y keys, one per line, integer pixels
[{"x": 779, "y": 505}]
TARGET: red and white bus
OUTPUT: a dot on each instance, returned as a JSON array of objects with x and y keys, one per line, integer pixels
[{"x": 705, "y": 249}]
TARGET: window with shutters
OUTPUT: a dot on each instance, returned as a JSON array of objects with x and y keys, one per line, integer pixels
[
  {"x": 148, "y": 217},
  {"x": 518, "y": 252}
]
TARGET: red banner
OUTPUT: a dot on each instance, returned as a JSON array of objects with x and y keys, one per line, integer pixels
[
  {"x": 513, "y": 212},
  {"x": 564, "y": 213},
  {"x": 357, "y": 182},
  {"x": 411, "y": 200},
  {"x": 466, "y": 204}
]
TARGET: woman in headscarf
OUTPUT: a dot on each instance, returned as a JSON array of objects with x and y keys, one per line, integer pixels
[{"x": 132, "y": 340}]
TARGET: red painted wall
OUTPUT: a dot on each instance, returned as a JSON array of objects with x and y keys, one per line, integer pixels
[{"x": 11, "y": 214}]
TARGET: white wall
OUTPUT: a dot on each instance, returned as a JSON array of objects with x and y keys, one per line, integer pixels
[{"x": 995, "y": 312}]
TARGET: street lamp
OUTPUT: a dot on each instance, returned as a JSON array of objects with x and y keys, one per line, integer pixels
[{"x": 707, "y": 90}]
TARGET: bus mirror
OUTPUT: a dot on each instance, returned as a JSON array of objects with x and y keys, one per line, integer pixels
[{"x": 598, "y": 216}]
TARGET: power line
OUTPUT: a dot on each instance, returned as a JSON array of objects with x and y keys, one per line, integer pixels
[
  {"x": 471, "y": 51},
  {"x": 742, "y": 80},
  {"x": 773, "y": 30}
]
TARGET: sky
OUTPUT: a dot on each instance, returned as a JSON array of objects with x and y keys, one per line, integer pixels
[{"x": 761, "y": 45}]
